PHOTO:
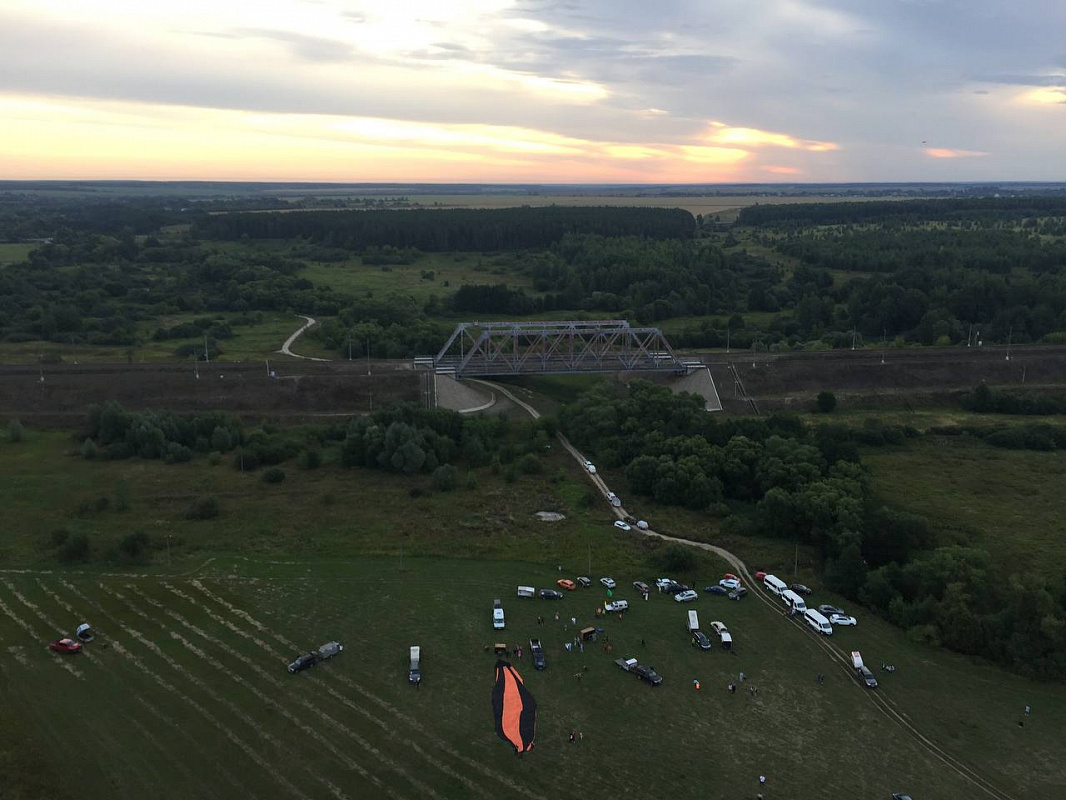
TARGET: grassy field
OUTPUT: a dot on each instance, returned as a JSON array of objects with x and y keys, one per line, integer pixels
[
  {"x": 1009, "y": 502},
  {"x": 14, "y": 253},
  {"x": 190, "y": 697}
]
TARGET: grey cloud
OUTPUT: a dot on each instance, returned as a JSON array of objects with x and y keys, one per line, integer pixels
[{"x": 1024, "y": 80}]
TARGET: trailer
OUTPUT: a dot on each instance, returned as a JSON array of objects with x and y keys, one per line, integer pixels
[{"x": 647, "y": 674}]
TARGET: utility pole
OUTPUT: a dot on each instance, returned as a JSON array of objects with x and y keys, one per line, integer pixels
[
  {"x": 349, "y": 347},
  {"x": 207, "y": 355},
  {"x": 727, "y": 339},
  {"x": 367, "y": 356},
  {"x": 168, "y": 550},
  {"x": 969, "y": 335},
  {"x": 852, "y": 338},
  {"x": 884, "y": 335},
  {"x": 1010, "y": 335}
]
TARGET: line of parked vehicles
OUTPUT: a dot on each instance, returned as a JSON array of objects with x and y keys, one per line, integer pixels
[{"x": 821, "y": 619}]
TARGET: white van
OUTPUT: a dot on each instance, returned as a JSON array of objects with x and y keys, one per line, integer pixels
[
  {"x": 414, "y": 671},
  {"x": 527, "y": 591},
  {"x": 818, "y": 622},
  {"x": 497, "y": 615},
  {"x": 614, "y": 499},
  {"x": 793, "y": 601},
  {"x": 693, "y": 621},
  {"x": 774, "y": 584}
]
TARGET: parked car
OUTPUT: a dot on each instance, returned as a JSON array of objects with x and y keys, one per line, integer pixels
[
  {"x": 616, "y": 605},
  {"x": 614, "y": 500},
  {"x": 867, "y": 677},
  {"x": 729, "y": 576},
  {"x": 800, "y": 588},
  {"x": 830, "y": 610},
  {"x": 724, "y": 635},
  {"x": 760, "y": 575},
  {"x": 608, "y": 582},
  {"x": 630, "y": 519},
  {"x": 729, "y": 583},
  {"x": 306, "y": 661},
  {"x": 700, "y": 640},
  {"x": 898, "y": 796},
  {"x": 566, "y": 583},
  {"x": 590, "y": 467},
  {"x": 498, "y": 621},
  {"x": 584, "y": 581},
  {"x": 738, "y": 593},
  {"x": 65, "y": 646},
  {"x": 622, "y": 526},
  {"x": 685, "y": 597},
  {"x": 550, "y": 594},
  {"x": 641, "y": 587},
  {"x": 642, "y": 524},
  {"x": 842, "y": 619},
  {"x": 647, "y": 674},
  {"x": 662, "y": 583},
  {"x": 715, "y": 589},
  {"x": 537, "y": 652}
]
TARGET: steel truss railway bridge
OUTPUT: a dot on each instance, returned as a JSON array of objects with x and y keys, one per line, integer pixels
[{"x": 478, "y": 349}]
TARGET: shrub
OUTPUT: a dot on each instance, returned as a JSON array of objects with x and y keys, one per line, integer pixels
[
  {"x": 205, "y": 507},
  {"x": 59, "y": 536},
  {"x": 89, "y": 450},
  {"x": 826, "y": 402},
  {"x": 214, "y": 458},
  {"x": 530, "y": 464},
  {"x": 14, "y": 431},
  {"x": 416, "y": 492},
  {"x": 677, "y": 558},
  {"x": 274, "y": 475},
  {"x": 123, "y": 498},
  {"x": 311, "y": 459},
  {"x": 471, "y": 481},
  {"x": 444, "y": 478},
  {"x": 510, "y": 475},
  {"x": 133, "y": 548},
  {"x": 75, "y": 549}
]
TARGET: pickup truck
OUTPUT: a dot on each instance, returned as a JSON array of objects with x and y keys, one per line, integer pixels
[
  {"x": 308, "y": 660},
  {"x": 537, "y": 651},
  {"x": 644, "y": 673},
  {"x": 497, "y": 615}
]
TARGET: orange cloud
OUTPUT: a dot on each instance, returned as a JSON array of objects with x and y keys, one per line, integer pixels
[
  {"x": 783, "y": 170},
  {"x": 944, "y": 152},
  {"x": 721, "y": 133}
]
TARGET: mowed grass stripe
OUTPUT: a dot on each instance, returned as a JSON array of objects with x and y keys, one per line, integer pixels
[
  {"x": 58, "y": 659},
  {"x": 136, "y": 661},
  {"x": 276, "y": 684},
  {"x": 346, "y": 702},
  {"x": 394, "y": 712}
]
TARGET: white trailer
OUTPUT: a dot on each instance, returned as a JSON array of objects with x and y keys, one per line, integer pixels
[
  {"x": 693, "y": 621},
  {"x": 414, "y": 672}
]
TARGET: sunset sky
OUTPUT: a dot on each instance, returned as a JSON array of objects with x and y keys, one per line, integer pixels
[{"x": 583, "y": 91}]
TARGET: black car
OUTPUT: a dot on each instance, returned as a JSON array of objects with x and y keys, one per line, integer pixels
[
  {"x": 867, "y": 677},
  {"x": 648, "y": 674},
  {"x": 715, "y": 589},
  {"x": 676, "y": 588},
  {"x": 700, "y": 640},
  {"x": 738, "y": 593},
  {"x": 305, "y": 661},
  {"x": 800, "y": 588},
  {"x": 828, "y": 610},
  {"x": 537, "y": 651},
  {"x": 550, "y": 594}
]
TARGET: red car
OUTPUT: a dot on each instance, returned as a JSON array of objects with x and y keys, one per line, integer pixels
[
  {"x": 760, "y": 575},
  {"x": 729, "y": 576},
  {"x": 567, "y": 584},
  {"x": 65, "y": 646}
]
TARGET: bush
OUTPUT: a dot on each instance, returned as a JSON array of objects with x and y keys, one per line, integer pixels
[
  {"x": 133, "y": 548},
  {"x": 471, "y": 481},
  {"x": 274, "y": 475},
  {"x": 444, "y": 478},
  {"x": 89, "y": 450},
  {"x": 311, "y": 459},
  {"x": 76, "y": 549},
  {"x": 59, "y": 536},
  {"x": 826, "y": 402},
  {"x": 530, "y": 464},
  {"x": 205, "y": 507},
  {"x": 14, "y": 431},
  {"x": 214, "y": 458},
  {"x": 677, "y": 558}
]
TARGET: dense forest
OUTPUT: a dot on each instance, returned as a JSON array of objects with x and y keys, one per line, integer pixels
[
  {"x": 450, "y": 230},
  {"x": 779, "y": 477}
]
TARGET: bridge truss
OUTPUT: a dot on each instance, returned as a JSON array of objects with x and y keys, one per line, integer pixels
[{"x": 538, "y": 348}]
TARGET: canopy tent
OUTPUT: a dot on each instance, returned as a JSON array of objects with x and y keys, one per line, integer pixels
[
  {"x": 514, "y": 709},
  {"x": 84, "y": 632}
]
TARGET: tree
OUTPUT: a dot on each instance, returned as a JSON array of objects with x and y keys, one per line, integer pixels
[
  {"x": 14, "y": 431},
  {"x": 826, "y": 402},
  {"x": 846, "y": 573},
  {"x": 444, "y": 478}
]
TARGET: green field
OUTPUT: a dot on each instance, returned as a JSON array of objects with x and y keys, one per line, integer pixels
[
  {"x": 14, "y": 253},
  {"x": 190, "y": 691},
  {"x": 1009, "y": 502}
]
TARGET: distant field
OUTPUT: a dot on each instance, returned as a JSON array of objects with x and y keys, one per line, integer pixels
[
  {"x": 725, "y": 207},
  {"x": 1009, "y": 502},
  {"x": 13, "y": 253}
]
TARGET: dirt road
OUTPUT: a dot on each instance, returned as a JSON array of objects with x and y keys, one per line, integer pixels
[{"x": 285, "y": 348}]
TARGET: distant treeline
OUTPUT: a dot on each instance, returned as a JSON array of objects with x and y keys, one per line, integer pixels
[
  {"x": 449, "y": 230},
  {"x": 910, "y": 211}
]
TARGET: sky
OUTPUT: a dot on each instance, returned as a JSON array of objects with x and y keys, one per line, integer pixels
[{"x": 534, "y": 91}]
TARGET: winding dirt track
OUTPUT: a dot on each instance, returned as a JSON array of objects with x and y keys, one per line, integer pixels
[
  {"x": 839, "y": 658},
  {"x": 285, "y": 351}
]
